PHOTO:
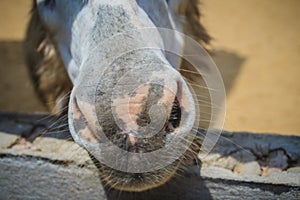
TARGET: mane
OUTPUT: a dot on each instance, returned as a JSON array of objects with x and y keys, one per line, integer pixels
[
  {"x": 190, "y": 10},
  {"x": 46, "y": 67}
]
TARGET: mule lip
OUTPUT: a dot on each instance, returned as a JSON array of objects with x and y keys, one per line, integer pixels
[{"x": 138, "y": 182}]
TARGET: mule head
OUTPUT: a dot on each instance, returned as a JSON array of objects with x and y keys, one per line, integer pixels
[{"x": 129, "y": 107}]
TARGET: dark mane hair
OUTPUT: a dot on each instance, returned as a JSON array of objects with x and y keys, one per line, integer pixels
[
  {"x": 190, "y": 9},
  {"x": 45, "y": 65}
]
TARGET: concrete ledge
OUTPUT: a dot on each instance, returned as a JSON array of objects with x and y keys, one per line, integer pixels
[{"x": 39, "y": 165}]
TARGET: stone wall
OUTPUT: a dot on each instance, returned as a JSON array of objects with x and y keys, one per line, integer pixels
[{"x": 39, "y": 160}]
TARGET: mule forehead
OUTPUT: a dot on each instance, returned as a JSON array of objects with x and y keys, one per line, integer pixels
[
  {"x": 100, "y": 20},
  {"x": 81, "y": 25}
]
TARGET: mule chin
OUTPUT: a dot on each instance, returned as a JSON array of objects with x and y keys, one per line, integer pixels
[{"x": 136, "y": 182}]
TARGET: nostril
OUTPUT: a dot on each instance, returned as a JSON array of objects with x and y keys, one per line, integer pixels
[{"x": 175, "y": 116}]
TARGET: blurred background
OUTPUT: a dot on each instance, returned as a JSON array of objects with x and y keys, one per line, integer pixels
[{"x": 256, "y": 47}]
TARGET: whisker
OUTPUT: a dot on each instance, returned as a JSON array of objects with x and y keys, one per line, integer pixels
[
  {"x": 189, "y": 71},
  {"x": 200, "y": 86}
]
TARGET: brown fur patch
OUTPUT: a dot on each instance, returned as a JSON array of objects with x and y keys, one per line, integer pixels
[
  {"x": 45, "y": 65},
  {"x": 193, "y": 26}
]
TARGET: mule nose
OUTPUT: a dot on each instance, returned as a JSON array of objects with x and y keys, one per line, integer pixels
[
  {"x": 148, "y": 109},
  {"x": 153, "y": 105}
]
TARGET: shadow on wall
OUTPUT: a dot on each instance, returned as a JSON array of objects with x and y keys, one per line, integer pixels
[
  {"x": 17, "y": 92},
  {"x": 18, "y": 95},
  {"x": 229, "y": 65}
]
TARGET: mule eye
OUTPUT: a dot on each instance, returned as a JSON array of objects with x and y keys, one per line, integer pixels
[{"x": 50, "y": 3}]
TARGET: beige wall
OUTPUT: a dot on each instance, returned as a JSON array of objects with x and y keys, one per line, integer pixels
[
  {"x": 261, "y": 58},
  {"x": 13, "y": 18},
  {"x": 257, "y": 49},
  {"x": 17, "y": 92}
]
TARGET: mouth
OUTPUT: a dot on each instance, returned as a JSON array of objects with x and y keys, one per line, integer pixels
[{"x": 135, "y": 182}]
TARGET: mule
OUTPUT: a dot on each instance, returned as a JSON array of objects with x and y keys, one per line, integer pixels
[{"x": 107, "y": 62}]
